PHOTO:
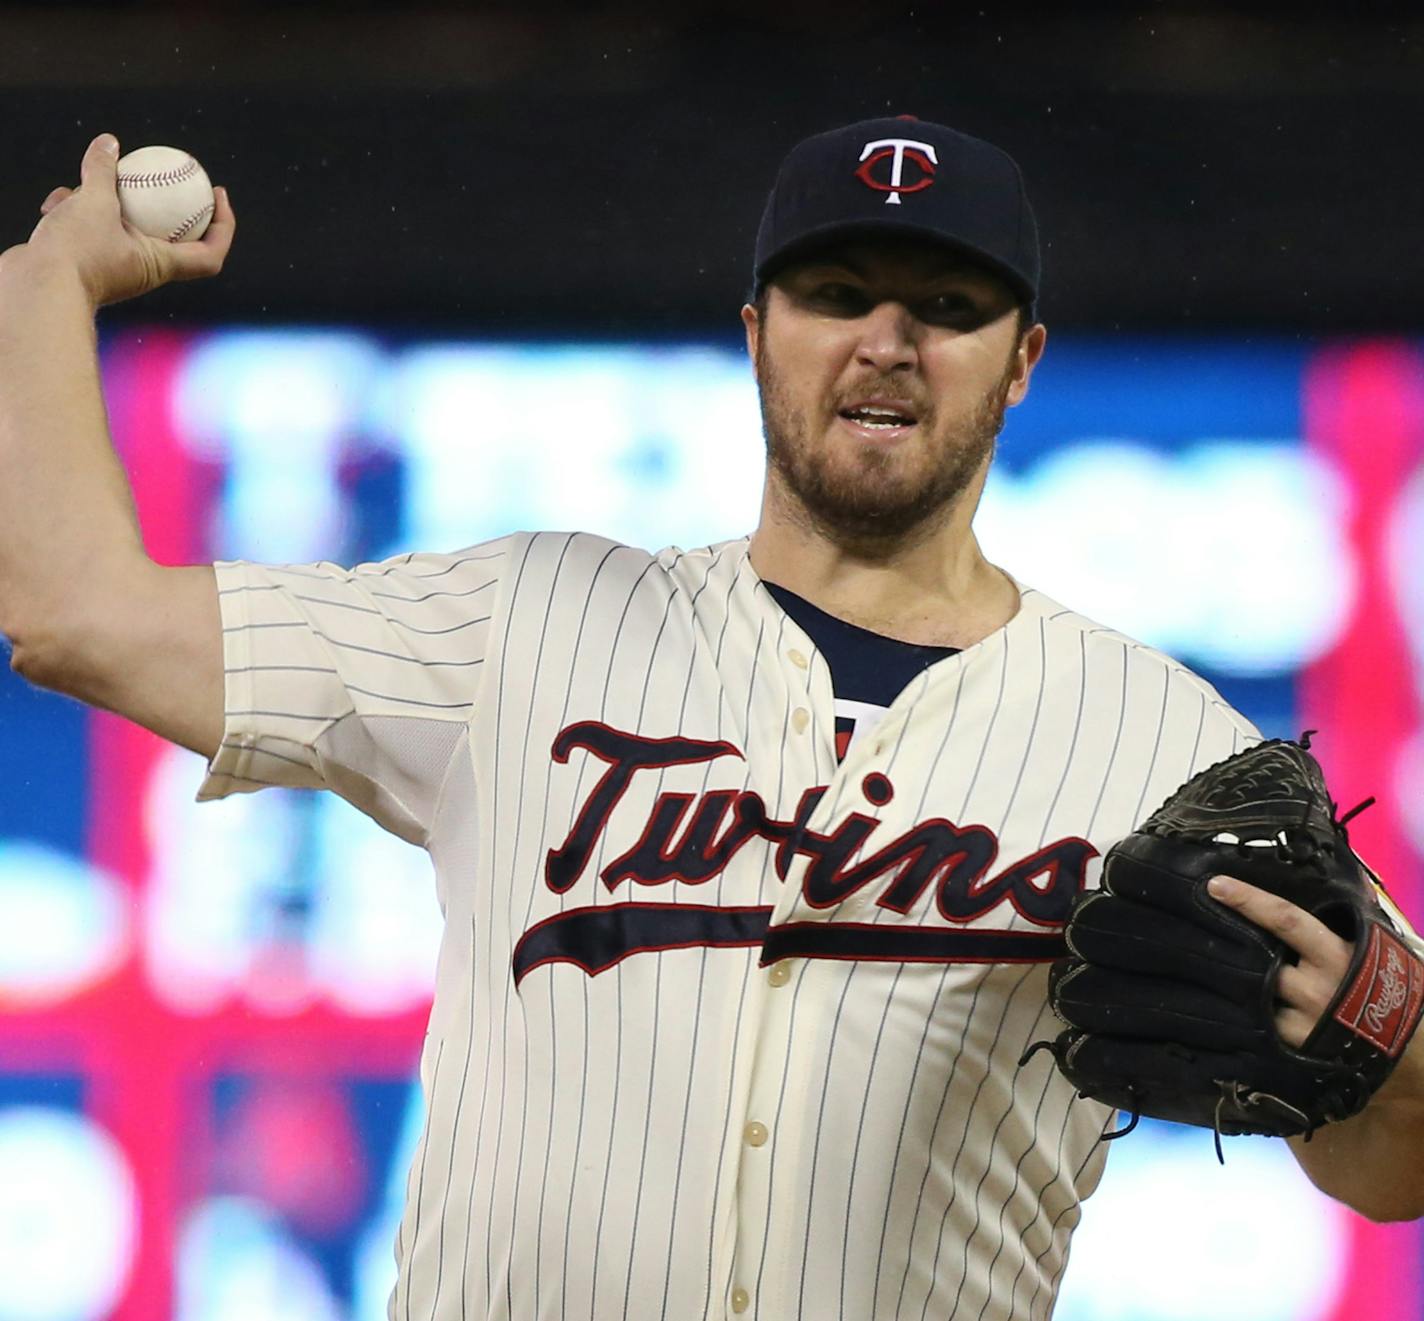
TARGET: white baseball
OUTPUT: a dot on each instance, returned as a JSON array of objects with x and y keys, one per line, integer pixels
[{"x": 165, "y": 193}]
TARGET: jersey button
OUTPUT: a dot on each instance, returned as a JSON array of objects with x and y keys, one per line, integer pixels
[
  {"x": 779, "y": 975},
  {"x": 800, "y": 718},
  {"x": 740, "y": 1299},
  {"x": 756, "y": 1133},
  {"x": 797, "y": 658}
]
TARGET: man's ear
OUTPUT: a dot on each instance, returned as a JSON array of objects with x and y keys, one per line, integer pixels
[
  {"x": 751, "y": 321},
  {"x": 1026, "y": 356}
]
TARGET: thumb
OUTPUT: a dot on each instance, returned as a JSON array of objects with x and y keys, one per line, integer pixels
[{"x": 99, "y": 167}]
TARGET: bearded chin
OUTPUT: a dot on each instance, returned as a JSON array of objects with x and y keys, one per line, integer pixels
[{"x": 864, "y": 505}]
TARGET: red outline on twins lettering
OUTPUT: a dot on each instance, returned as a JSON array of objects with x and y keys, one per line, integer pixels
[
  {"x": 956, "y": 860},
  {"x": 925, "y": 839},
  {"x": 1072, "y": 850},
  {"x": 713, "y": 852},
  {"x": 626, "y": 754},
  {"x": 596, "y": 937},
  {"x": 827, "y": 881}
]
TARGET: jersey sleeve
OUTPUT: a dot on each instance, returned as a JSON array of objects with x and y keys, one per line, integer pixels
[{"x": 359, "y": 680}]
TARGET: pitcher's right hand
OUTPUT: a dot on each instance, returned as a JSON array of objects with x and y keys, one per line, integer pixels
[{"x": 82, "y": 228}]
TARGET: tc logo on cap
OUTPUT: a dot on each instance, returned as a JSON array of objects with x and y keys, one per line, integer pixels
[{"x": 896, "y": 151}]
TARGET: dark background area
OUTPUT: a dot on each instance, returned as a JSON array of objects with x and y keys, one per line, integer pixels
[{"x": 600, "y": 168}]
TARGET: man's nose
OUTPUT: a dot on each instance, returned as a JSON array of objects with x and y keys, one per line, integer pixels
[{"x": 888, "y": 340}]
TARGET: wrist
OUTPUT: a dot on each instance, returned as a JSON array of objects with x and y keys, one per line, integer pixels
[{"x": 26, "y": 265}]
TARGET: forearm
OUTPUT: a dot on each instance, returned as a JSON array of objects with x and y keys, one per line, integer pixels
[
  {"x": 1374, "y": 1162},
  {"x": 66, "y": 513}
]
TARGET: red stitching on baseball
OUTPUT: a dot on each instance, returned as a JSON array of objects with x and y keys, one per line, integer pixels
[
  {"x": 175, "y": 175},
  {"x": 191, "y": 221}
]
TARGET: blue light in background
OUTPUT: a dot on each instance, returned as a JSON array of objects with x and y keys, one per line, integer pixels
[{"x": 1158, "y": 391}]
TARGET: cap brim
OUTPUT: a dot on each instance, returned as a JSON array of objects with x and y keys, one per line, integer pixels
[{"x": 816, "y": 240}]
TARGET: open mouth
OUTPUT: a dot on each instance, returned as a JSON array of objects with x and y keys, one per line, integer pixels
[{"x": 879, "y": 419}]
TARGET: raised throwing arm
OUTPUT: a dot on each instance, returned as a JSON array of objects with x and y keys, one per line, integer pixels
[{"x": 84, "y": 608}]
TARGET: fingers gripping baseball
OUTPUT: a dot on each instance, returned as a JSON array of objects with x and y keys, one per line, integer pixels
[
  {"x": 204, "y": 257},
  {"x": 83, "y": 228},
  {"x": 1306, "y": 988}
]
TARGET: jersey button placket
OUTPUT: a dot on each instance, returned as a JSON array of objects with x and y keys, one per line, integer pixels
[
  {"x": 800, "y": 717},
  {"x": 808, "y": 689},
  {"x": 756, "y": 1234}
]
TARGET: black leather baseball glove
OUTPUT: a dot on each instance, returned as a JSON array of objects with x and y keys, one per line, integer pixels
[{"x": 1169, "y": 996}]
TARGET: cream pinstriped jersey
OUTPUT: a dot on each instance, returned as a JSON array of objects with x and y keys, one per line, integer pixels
[{"x": 722, "y": 1027}]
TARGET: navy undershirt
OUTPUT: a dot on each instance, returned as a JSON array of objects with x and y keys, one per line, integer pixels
[{"x": 865, "y": 667}]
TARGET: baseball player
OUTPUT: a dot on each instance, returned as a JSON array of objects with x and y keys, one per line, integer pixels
[{"x": 753, "y": 857}]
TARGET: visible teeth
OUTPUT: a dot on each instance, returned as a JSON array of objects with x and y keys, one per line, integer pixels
[
  {"x": 1225, "y": 837},
  {"x": 878, "y": 417}
]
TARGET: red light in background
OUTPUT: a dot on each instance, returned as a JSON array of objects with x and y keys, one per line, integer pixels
[{"x": 1364, "y": 413}]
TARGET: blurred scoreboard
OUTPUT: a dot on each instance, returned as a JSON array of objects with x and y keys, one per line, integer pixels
[{"x": 210, "y": 1017}]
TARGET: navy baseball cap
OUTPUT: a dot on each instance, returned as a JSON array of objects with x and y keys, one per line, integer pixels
[{"x": 901, "y": 176}]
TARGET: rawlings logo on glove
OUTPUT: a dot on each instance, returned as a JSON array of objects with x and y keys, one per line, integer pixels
[
  {"x": 1169, "y": 996},
  {"x": 1387, "y": 983}
]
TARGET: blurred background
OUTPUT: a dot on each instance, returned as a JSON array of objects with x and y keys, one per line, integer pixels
[{"x": 486, "y": 278}]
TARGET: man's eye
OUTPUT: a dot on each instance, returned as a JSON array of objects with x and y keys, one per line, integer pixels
[
  {"x": 843, "y": 298},
  {"x": 951, "y": 309}
]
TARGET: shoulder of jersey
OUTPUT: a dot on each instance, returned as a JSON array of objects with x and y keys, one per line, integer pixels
[
  {"x": 619, "y": 557},
  {"x": 1096, "y": 637}
]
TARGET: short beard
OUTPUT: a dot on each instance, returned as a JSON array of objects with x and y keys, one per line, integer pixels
[{"x": 860, "y": 515}]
